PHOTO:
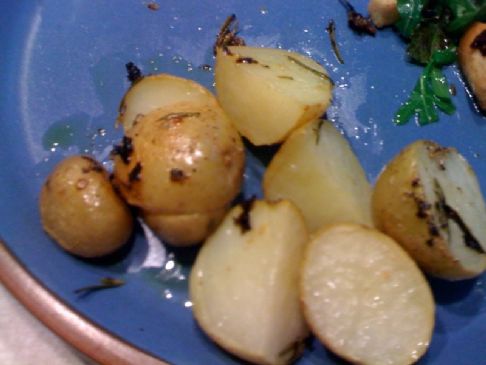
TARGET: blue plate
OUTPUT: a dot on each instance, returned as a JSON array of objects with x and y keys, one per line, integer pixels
[{"x": 63, "y": 75}]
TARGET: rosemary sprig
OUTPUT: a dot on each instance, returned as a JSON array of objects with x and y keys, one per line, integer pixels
[
  {"x": 105, "y": 283},
  {"x": 331, "y": 30},
  {"x": 320, "y": 74}
]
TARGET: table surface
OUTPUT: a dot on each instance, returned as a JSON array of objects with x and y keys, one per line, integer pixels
[{"x": 24, "y": 340}]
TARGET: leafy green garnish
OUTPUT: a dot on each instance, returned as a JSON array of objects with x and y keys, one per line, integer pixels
[
  {"x": 430, "y": 93},
  {"x": 430, "y": 34},
  {"x": 410, "y": 16},
  {"x": 433, "y": 28},
  {"x": 464, "y": 12},
  {"x": 427, "y": 38}
]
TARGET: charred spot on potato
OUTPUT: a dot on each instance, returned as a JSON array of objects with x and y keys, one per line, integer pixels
[
  {"x": 416, "y": 182},
  {"x": 134, "y": 174},
  {"x": 137, "y": 119},
  {"x": 243, "y": 219},
  {"x": 433, "y": 229},
  {"x": 446, "y": 213},
  {"x": 436, "y": 150},
  {"x": 437, "y": 153},
  {"x": 247, "y": 60},
  {"x": 94, "y": 165},
  {"x": 479, "y": 43},
  {"x": 285, "y": 77},
  {"x": 469, "y": 239},
  {"x": 440, "y": 207},
  {"x": 177, "y": 175},
  {"x": 228, "y": 35},
  {"x": 423, "y": 208},
  {"x": 124, "y": 149},
  {"x": 317, "y": 130},
  {"x": 133, "y": 73}
]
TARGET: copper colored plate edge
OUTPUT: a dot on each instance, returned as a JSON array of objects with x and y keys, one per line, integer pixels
[{"x": 67, "y": 323}]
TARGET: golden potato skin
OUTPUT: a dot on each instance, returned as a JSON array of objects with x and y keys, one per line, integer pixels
[
  {"x": 396, "y": 203},
  {"x": 473, "y": 62},
  {"x": 81, "y": 211},
  {"x": 180, "y": 159},
  {"x": 184, "y": 229}
]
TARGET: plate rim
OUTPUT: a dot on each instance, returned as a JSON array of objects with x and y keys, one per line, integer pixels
[{"x": 84, "y": 335}]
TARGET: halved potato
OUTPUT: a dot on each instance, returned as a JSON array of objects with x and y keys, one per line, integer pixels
[
  {"x": 244, "y": 284},
  {"x": 317, "y": 170},
  {"x": 156, "y": 91},
  {"x": 365, "y": 298},
  {"x": 269, "y": 92},
  {"x": 429, "y": 200}
]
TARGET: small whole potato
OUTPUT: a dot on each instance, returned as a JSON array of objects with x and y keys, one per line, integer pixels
[
  {"x": 182, "y": 159},
  {"x": 81, "y": 211}
]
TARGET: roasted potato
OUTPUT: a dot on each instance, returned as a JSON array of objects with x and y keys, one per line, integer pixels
[
  {"x": 365, "y": 298},
  {"x": 184, "y": 160},
  {"x": 269, "y": 92},
  {"x": 244, "y": 283},
  {"x": 316, "y": 169},
  {"x": 472, "y": 59},
  {"x": 156, "y": 91},
  {"x": 428, "y": 199},
  {"x": 81, "y": 211},
  {"x": 184, "y": 229},
  {"x": 383, "y": 12}
]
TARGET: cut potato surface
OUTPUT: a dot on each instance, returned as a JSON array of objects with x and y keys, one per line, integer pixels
[
  {"x": 244, "y": 284},
  {"x": 429, "y": 200},
  {"x": 156, "y": 91},
  {"x": 316, "y": 169},
  {"x": 365, "y": 298},
  {"x": 269, "y": 92}
]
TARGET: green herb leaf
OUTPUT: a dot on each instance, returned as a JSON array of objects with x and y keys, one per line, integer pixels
[
  {"x": 445, "y": 57},
  {"x": 427, "y": 38},
  {"x": 410, "y": 12},
  {"x": 438, "y": 83},
  {"x": 464, "y": 12},
  {"x": 430, "y": 93}
]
